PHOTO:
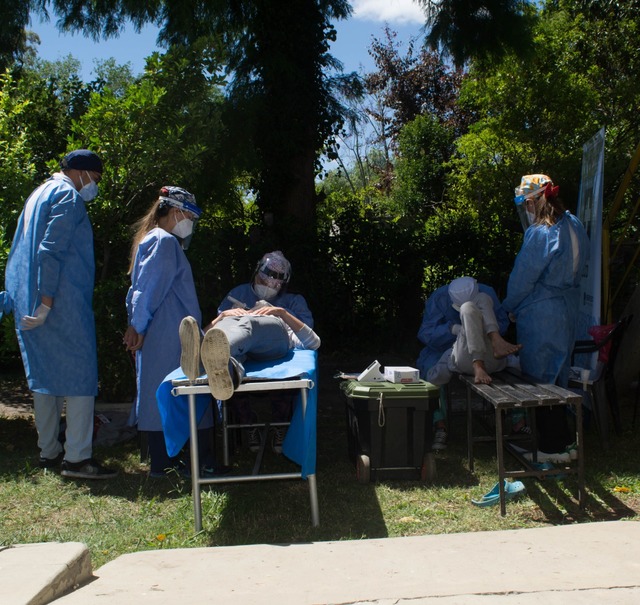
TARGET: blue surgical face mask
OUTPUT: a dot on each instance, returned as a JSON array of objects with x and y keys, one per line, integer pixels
[{"x": 89, "y": 191}]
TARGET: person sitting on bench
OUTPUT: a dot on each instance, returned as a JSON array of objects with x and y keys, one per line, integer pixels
[{"x": 462, "y": 329}]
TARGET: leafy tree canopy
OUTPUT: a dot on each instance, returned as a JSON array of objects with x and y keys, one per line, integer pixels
[{"x": 479, "y": 29}]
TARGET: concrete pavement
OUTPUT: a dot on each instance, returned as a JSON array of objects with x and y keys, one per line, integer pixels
[{"x": 563, "y": 565}]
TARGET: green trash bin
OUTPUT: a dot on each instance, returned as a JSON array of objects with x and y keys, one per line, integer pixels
[{"x": 389, "y": 429}]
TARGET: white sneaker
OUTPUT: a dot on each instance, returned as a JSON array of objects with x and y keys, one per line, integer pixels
[
  {"x": 215, "y": 359},
  {"x": 439, "y": 440},
  {"x": 572, "y": 450},
  {"x": 189, "y": 332},
  {"x": 558, "y": 458}
]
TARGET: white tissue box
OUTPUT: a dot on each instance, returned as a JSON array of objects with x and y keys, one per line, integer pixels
[{"x": 402, "y": 374}]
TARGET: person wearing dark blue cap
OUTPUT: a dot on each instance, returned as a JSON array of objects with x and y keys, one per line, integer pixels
[
  {"x": 162, "y": 293},
  {"x": 49, "y": 288}
]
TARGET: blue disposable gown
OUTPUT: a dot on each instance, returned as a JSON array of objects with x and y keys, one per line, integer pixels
[
  {"x": 294, "y": 303},
  {"x": 544, "y": 294},
  {"x": 438, "y": 318},
  {"x": 52, "y": 255},
  {"x": 162, "y": 293}
]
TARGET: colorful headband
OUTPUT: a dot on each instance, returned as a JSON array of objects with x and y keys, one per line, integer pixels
[{"x": 551, "y": 192}]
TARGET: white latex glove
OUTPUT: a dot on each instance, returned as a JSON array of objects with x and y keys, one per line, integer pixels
[
  {"x": 28, "y": 322},
  {"x": 455, "y": 329}
]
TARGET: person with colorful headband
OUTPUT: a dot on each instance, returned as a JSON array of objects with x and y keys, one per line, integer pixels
[
  {"x": 49, "y": 288},
  {"x": 543, "y": 295},
  {"x": 268, "y": 287},
  {"x": 162, "y": 293}
]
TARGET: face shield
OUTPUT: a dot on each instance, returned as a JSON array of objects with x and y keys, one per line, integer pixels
[
  {"x": 271, "y": 276},
  {"x": 526, "y": 212},
  {"x": 177, "y": 197},
  {"x": 526, "y": 194}
]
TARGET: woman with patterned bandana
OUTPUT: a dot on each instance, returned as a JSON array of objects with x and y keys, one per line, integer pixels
[{"x": 161, "y": 295}]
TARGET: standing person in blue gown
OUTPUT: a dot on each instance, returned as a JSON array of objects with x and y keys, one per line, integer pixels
[
  {"x": 162, "y": 293},
  {"x": 49, "y": 288},
  {"x": 543, "y": 294}
]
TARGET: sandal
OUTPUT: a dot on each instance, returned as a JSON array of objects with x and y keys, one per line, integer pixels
[{"x": 512, "y": 489}]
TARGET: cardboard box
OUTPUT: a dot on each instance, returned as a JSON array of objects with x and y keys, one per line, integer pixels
[{"x": 401, "y": 374}]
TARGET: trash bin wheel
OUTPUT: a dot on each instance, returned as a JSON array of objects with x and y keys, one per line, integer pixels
[
  {"x": 428, "y": 470},
  {"x": 363, "y": 468}
]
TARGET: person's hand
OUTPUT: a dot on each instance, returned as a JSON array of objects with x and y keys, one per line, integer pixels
[
  {"x": 512, "y": 318},
  {"x": 234, "y": 312},
  {"x": 28, "y": 322},
  {"x": 132, "y": 340},
  {"x": 277, "y": 311},
  {"x": 455, "y": 329}
]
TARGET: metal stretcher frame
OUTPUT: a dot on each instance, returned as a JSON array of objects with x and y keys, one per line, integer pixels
[
  {"x": 183, "y": 387},
  {"x": 509, "y": 391}
]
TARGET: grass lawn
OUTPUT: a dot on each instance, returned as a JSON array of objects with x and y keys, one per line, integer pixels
[{"x": 135, "y": 512}]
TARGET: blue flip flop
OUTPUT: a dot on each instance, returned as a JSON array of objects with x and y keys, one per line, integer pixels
[{"x": 512, "y": 489}]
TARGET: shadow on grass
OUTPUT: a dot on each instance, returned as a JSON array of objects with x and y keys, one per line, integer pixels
[{"x": 279, "y": 511}]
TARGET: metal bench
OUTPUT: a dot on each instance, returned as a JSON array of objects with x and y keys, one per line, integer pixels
[{"x": 510, "y": 391}]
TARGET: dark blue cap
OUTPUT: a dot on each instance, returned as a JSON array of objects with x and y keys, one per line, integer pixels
[{"x": 82, "y": 159}]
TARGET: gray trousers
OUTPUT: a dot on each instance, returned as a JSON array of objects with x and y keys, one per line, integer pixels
[
  {"x": 477, "y": 320},
  {"x": 260, "y": 337},
  {"x": 79, "y": 433}
]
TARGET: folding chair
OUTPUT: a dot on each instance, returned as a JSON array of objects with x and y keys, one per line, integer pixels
[{"x": 600, "y": 383}]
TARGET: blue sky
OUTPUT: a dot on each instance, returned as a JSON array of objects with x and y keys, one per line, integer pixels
[{"x": 354, "y": 37}]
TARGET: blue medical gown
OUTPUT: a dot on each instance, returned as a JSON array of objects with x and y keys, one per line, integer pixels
[
  {"x": 52, "y": 255},
  {"x": 544, "y": 294},
  {"x": 162, "y": 293},
  {"x": 294, "y": 303},
  {"x": 438, "y": 318}
]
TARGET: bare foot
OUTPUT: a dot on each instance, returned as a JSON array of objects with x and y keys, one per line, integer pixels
[
  {"x": 501, "y": 347},
  {"x": 480, "y": 375}
]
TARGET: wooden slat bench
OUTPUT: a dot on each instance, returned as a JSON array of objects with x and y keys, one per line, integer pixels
[{"x": 510, "y": 390}]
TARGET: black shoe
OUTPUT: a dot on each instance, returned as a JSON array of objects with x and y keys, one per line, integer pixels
[
  {"x": 86, "y": 469},
  {"x": 277, "y": 438},
  {"x": 254, "y": 439},
  {"x": 50, "y": 462}
]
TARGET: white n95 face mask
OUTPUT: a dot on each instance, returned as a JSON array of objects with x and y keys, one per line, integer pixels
[
  {"x": 183, "y": 228},
  {"x": 265, "y": 292},
  {"x": 88, "y": 191}
]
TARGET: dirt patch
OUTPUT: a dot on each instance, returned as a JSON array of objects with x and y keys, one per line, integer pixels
[{"x": 15, "y": 396}]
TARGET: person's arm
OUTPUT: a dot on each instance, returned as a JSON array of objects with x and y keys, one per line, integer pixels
[
  {"x": 152, "y": 279},
  {"x": 296, "y": 304},
  {"x": 132, "y": 340},
  {"x": 437, "y": 330},
  {"x": 228, "y": 313},
  {"x": 304, "y": 333},
  {"x": 64, "y": 216},
  {"x": 529, "y": 265}
]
